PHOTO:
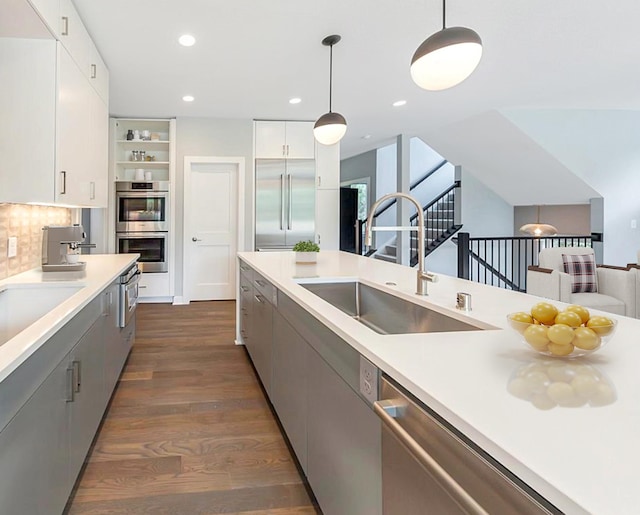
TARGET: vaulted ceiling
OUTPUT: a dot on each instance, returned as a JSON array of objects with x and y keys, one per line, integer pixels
[{"x": 252, "y": 56}]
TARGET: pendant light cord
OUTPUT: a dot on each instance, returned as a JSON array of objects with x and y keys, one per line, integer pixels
[
  {"x": 330, "y": 73},
  {"x": 444, "y": 10}
]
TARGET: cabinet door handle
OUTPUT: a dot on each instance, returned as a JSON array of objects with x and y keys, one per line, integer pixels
[
  {"x": 282, "y": 202},
  {"x": 244, "y": 289},
  {"x": 283, "y": 151},
  {"x": 290, "y": 220},
  {"x": 92, "y": 190},
  {"x": 386, "y": 410},
  {"x": 260, "y": 283},
  {"x": 65, "y": 26},
  {"x": 287, "y": 149},
  {"x": 64, "y": 183},
  {"x": 76, "y": 376},
  {"x": 258, "y": 298},
  {"x": 70, "y": 394},
  {"x": 94, "y": 71}
]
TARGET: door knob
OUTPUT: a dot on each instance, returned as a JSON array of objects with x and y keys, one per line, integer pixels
[{"x": 195, "y": 239}]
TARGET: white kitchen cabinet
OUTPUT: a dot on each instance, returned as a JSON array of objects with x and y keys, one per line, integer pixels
[
  {"x": 328, "y": 167},
  {"x": 74, "y": 36},
  {"x": 28, "y": 110},
  {"x": 81, "y": 138},
  {"x": 284, "y": 139},
  {"x": 328, "y": 219}
]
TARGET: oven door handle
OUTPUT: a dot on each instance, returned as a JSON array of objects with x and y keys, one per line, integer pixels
[{"x": 388, "y": 410}]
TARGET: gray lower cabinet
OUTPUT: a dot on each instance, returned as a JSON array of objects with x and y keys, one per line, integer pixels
[
  {"x": 44, "y": 443},
  {"x": 343, "y": 445},
  {"x": 261, "y": 338},
  {"x": 86, "y": 361},
  {"x": 289, "y": 384},
  {"x": 34, "y": 450},
  {"x": 246, "y": 307},
  {"x": 118, "y": 341}
]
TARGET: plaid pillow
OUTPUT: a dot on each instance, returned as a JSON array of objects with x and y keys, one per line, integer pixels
[{"x": 582, "y": 270}]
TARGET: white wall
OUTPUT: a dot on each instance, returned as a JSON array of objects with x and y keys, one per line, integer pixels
[
  {"x": 386, "y": 182},
  {"x": 484, "y": 213},
  {"x": 601, "y": 147},
  {"x": 212, "y": 137}
]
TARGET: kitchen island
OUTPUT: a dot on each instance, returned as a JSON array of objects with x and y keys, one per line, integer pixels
[{"x": 581, "y": 459}]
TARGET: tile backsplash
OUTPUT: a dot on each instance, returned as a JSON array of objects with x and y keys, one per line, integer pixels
[{"x": 26, "y": 222}]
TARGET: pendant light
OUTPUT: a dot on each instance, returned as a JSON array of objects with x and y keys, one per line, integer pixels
[
  {"x": 539, "y": 229},
  {"x": 330, "y": 127},
  {"x": 446, "y": 58}
]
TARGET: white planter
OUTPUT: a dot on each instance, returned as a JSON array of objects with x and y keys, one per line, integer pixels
[{"x": 306, "y": 257}]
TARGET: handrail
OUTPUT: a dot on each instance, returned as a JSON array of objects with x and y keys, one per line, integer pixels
[
  {"x": 414, "y": 185},
  {"x": 505, "y": 259},
  {"x": 435, "y": 201}
]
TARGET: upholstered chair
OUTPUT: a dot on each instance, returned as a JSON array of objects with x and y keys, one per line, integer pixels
[{"x": 569, "y": 274}]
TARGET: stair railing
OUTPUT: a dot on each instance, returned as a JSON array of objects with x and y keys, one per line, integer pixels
[
  {"x": 440, "y": 219},
  {"x": 503, "y": 261}
]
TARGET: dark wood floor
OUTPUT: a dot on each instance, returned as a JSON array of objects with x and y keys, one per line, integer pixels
[{"x": 188, "y": 430}]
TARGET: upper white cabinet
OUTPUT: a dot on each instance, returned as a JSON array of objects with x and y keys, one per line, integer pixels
[
  {"x": 54, "y": 136},
  {"x": 81, "y": 138},
  {"x": 328, "y": 167},
  {"x": 284, "y": 140},
  {"x": 75, "y": 38}
]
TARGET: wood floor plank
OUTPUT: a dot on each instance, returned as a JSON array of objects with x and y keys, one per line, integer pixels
[{"x": 188, "y": 429}]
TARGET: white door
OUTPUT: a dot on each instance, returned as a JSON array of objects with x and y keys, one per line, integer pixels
[{"x": 211, "y": 226}]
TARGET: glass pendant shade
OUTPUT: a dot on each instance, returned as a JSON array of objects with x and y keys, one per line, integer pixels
[
  {"x": 446, "y": 58},
  {"x": 330, "y": 128},
  {"x": 539, "y": 229}
]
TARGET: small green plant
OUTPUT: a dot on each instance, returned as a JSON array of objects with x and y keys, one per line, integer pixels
[{"x": 306, "y": 246}]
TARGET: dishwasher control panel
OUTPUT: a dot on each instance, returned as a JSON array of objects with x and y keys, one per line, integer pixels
[{"x": 368, "y": 380}]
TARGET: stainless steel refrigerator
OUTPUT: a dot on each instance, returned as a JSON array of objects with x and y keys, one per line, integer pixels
[{"x": 285, "y": 202}]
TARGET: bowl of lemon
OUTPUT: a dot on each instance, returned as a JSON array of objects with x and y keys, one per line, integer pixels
[{"x": 570, "y": 333}]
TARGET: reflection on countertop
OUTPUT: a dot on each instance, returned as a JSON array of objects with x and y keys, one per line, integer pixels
[{"x": 553, "y": 383}]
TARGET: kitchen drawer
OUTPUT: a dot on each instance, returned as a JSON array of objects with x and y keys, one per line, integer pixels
[
  {"x": 154, "y": 285},
  {"x": 265, "y": 288},
  {"x": 245, "y": 271}
]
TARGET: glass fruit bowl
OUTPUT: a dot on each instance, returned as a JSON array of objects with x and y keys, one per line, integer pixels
[{"x": 563, "y": 341}]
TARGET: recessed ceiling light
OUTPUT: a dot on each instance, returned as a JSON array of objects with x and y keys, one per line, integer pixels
[
  {"x": 399, "y": 103},
  {"x": 187, "y": 40},
  {"x": 366, "y": 136},
  {"x": 188, "y": 98},
  {"x": 295, "y": 100}
]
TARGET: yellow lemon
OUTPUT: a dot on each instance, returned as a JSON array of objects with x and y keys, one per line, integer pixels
[
  {"x": 586, "y": 338},
  {"x": 561, "y": 334},
  {"x": 560, "y": 350},
  {"x": 544, "y": 312},
  {"x": 536, "y": 336},
  {"x": 581, "y": 311},
  {"x": 601, "y": 325},
  {"x": 568, "y": 318}
]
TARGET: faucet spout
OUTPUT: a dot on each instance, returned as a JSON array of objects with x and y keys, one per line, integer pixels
[{"x": 423, "y": 276}]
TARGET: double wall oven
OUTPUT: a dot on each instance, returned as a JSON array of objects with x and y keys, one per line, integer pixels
[{"x": 142, "y": 223}]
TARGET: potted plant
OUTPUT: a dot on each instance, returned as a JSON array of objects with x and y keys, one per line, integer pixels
[{"x": 306, "y": 251}]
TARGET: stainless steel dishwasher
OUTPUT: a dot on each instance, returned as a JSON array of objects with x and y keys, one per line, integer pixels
[{"x": 429, "y": 468}]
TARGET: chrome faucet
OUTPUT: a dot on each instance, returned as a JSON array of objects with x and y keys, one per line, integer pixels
[{"x": 423, "y": 276}]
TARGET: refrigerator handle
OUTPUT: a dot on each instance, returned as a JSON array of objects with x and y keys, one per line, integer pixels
[
  {"x": 282, "y": 202},
  {"x": 290, "y": 198}
]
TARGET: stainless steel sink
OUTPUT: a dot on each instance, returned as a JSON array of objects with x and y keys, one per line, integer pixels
[{"x": 384, "y": 313}]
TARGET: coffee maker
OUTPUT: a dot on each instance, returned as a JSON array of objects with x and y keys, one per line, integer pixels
[{"x": 60, "y": 247}]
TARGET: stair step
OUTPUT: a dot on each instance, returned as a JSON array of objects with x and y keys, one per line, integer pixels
[{"x": 385, "y": 257}]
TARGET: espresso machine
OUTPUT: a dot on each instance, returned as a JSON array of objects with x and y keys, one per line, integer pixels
[{"x": 60, "y": 248}]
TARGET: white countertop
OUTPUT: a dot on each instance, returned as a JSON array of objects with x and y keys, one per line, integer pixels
[
  {"x": 101, "y": 270},
  {"x": 582, "y": 459}
]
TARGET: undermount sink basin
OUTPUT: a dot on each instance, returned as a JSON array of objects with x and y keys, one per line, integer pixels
[
  {"x": 23, "y": 304},
  {"x": 382, "y": 312}
]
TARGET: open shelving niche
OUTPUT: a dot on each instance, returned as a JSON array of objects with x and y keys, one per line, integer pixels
[{"x": 158, "y": 287}]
